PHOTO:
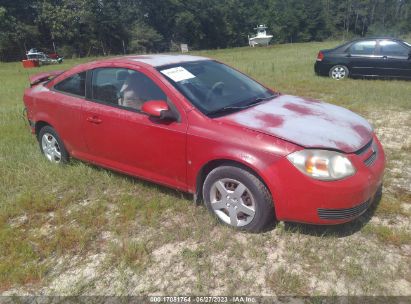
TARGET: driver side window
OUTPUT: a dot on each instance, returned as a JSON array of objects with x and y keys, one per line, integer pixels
[
  {"x": 124, "y": 87},
  {"x": 392, "y": 48}
]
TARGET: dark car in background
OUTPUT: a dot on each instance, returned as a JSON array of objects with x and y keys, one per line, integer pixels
[{"x": 370, "y": 57}]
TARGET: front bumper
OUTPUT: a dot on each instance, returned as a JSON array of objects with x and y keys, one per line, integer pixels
[
  {"x": 345, "y": 213},
  {"x": 300, "y": 198}
]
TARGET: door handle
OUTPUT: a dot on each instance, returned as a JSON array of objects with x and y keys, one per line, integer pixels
[
  {"x": 384, "y": 57},
  {"x": 94, "y": 119}
]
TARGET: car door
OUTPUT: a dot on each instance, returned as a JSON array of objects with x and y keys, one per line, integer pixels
[
  {"x": 64, "y": 104},
  {"x": 362, "y": 58},
  {"x": 119, "y": 136},
  {"x": 395, "y": 59}
]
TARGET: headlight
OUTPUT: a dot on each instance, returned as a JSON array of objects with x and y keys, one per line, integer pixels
[{"x": 322, "y": 164}]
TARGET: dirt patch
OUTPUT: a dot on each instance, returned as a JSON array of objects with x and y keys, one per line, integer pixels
[
  {"x": 393, "y": 128},
  {"x": 189, "y": 254}
]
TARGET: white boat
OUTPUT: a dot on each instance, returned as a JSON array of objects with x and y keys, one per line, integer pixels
[{"x": 261, "y": 38}]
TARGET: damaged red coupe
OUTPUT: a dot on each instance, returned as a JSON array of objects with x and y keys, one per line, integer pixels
[{"x": 251, "y": 154}]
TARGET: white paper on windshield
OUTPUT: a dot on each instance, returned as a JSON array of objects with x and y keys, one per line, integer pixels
[{"x": 178, "y": 74}]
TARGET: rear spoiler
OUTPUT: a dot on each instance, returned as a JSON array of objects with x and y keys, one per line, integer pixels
[{"x": 36, "y": 79}]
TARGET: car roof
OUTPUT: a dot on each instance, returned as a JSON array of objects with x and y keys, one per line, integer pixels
[
  {"x": 348, "y": 43},
  {"x": 156, "y": 60},
  {"x": 153, "y": 60},
  {"x": 377, "y": 38}
]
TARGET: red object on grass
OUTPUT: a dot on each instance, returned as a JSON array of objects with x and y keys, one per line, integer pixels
[
  {"x": 54, "y": 56},
  {"x": 27, "y": 64}
]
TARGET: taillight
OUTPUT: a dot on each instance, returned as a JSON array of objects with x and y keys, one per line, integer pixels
[{"x": 320, "y": 56}]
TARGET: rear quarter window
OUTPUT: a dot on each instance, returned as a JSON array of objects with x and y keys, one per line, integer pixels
[
  {"x": 363, "y": 47},
  {"x": 74, "y": 85}
]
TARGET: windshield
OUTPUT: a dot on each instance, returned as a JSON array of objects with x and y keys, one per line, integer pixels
[{"x": 213, "y": 87}]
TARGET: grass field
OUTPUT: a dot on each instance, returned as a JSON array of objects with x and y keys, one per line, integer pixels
[{"x": 78, "y": 229}]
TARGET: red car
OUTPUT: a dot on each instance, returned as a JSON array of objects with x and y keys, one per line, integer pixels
[{"x": 251, "y": 154}]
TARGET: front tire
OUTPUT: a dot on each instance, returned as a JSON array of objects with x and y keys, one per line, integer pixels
[
  {"x": 52, "y": 146},
  {"x": 339, "y": 72},
  {"x": 238, "y": 199}
]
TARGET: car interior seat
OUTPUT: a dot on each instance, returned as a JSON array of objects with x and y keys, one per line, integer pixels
[{"x": 106, "y": 93}]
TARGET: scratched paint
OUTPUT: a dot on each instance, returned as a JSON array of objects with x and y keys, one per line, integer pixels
[
  {"x": 308, "y": 123},
  {"x": 269, "y": 120}
]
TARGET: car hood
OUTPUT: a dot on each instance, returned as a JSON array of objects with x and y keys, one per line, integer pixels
[{"x": 305, "y": 122}]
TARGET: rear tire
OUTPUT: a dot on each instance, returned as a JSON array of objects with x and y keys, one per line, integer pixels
[
  {"x": 52, "y": 146},
  {"x": 339, "y": 72},
  {"x": 238, "y": 199}
]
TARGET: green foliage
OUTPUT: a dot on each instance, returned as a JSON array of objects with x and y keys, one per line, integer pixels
[
  {"x": 144, "y": 39},
  {"x": 101, "y": 27}
]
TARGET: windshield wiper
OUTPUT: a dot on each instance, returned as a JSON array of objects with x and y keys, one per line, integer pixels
[
  {"x": 260, "y": 99},
  {"x": 226, "y": 109},
  {"x": 248, "y": 105}
]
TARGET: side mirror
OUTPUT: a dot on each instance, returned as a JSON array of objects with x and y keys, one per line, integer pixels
[{"x": 157, "y": 109}]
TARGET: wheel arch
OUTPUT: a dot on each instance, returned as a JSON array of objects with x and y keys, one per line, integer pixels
[
  {"x": 346, "y": 64},
  {"x": 212, "y": 164},
  {"x": 39, "y": 125}
]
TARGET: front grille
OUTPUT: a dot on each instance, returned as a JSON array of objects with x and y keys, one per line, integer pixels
[
  {"x": 339, "y": 214},
  {"x": 370, "y": 160},
  {"x": 371, "y": 149},
  {"x": 365, "y": 148}
]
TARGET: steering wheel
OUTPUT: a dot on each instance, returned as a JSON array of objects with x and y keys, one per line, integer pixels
[{"x": 218, "y": 86}]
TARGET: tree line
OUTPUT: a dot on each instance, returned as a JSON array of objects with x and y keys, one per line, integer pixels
[{"x": 106, "y": 27}]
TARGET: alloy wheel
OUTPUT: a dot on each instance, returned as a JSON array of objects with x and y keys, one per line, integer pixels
[
  {"x": 232, "y": 202},
  {"x": 338, "y": 73},
  {"x": 51, "y": 148}
]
